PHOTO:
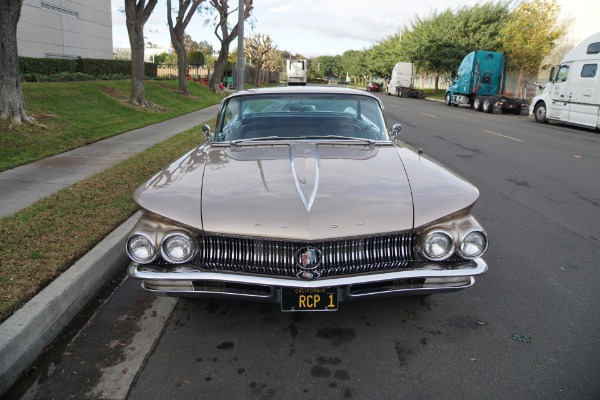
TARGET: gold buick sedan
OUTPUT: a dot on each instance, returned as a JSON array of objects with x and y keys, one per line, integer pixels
[{"x": 301, "y": 196}]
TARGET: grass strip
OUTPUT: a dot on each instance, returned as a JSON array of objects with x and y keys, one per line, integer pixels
[
  {"x": 73, "y": 114},
  {"x": 43, "y": 240}
]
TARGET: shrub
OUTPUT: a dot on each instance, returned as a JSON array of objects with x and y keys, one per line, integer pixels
[{"x": 32, "y": 68}]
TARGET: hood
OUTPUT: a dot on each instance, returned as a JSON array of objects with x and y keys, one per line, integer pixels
[{"x": 304, "y": 191}]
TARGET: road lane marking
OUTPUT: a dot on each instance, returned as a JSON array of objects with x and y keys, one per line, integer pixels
[
  {"x": 429, "y": 115},
  {"x": 504, "y": 136}
]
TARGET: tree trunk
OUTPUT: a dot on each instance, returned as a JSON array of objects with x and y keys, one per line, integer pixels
[
  {"x": 518, "y": 93},
  {"x": 225, "y": 38},
  {"x": 177, "y": 32},
  {"x": 181, "y": 66},
  {"x": 12, "y": 104},
  {"x": 137, "y": 68},
  {"x": 219, "y": 71},
  {"x": 137, "y": 13}
]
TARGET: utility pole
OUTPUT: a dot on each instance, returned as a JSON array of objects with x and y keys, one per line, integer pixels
[{"x": 240, "y": 55}]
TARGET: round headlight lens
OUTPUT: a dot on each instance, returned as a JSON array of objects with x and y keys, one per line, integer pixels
[
  {"x": 178, "y": 248},
  {"x": 437, "y": 246},
  {"x": 141, "y": 249},
  {"x": 473, "y": 245}
]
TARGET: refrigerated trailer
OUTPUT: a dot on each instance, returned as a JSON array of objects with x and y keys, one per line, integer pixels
[
  {"x": 401, "y": 82},
  {"x": 572, "y": 94},
  {"x": 296, "y": 72}
]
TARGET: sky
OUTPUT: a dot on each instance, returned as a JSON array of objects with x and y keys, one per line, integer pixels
[{"x": 318, "y": 27}]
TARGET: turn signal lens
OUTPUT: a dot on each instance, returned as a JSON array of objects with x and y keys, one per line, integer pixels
[
  {"x": 141, "y": 249},
  {"x": 473, "y": 245},
  {"x": 178, "y": 248},
  {"x": 437, "y": 246}
]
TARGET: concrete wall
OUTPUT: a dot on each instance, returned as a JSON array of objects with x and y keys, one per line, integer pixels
[{"x": 65, "y": 29}]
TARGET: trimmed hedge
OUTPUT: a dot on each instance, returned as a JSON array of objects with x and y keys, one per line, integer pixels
[{"x": 89, "y": 66}]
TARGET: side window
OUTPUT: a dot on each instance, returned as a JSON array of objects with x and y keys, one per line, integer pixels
[
  {"x": 589, "y": 70},
  {"x": 594, "y": 48},
  {"x": 563, "y": 72}
]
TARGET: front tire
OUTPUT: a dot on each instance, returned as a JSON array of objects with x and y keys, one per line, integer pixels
[
  {"x": 448, "y": 99},
  {"x": 477, "y": 103},
  {"x": 539, "y": 113}
]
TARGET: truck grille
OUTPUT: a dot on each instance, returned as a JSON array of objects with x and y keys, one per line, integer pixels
[{"x": 272, "y": 257}]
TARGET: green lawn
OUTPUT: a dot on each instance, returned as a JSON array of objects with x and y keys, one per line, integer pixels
[
  {"x": 73, "y": 114},
  {"x": 45, "y": 239}
]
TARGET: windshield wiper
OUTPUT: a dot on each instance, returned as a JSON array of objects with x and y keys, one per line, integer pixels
[
  {"x": 370, "y": 142},
  {"x": 238, "y": 141}
]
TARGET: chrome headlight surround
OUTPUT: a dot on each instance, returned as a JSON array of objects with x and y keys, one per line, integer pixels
[
  {"x": 178, "y": 247},
  {"x": 436, "y": 245},
  {"x": 473, "y": 244},
  {"x": 139, "y": 241}
]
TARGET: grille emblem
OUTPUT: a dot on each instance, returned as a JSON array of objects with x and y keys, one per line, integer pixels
[{"x": 308, "y": 259}]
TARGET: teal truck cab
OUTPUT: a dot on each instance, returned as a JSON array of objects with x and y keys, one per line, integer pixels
[{"x": 479, "y": 83}]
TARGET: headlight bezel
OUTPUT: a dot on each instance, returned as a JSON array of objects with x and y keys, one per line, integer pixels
[
  {"x": 170, "y": 235},
  {"x": 459, "y": 248},
  {"x": 428, "y": 235},
  {"x": 152, "y": 243}
]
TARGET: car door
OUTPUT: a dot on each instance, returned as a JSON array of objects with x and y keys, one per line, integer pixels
[{"x": 559, "y": 95}]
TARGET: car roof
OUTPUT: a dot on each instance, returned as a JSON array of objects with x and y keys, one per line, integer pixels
[{"x": 312, "y": 89}]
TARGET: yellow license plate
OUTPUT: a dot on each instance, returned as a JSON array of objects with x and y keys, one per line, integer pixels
[{"x": 312, "y": 299}]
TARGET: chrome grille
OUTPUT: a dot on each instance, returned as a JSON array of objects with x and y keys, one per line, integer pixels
[{"x": 272, "y": 257}]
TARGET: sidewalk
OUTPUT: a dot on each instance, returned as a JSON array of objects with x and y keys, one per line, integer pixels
[
  {"x": 23, "y": 186},
  {"x": 28, "y": 331}
]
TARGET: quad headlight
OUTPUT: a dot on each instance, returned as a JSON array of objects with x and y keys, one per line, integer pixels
[
  {"x": 141, "y": 249},
  {"x": 473, "y": 244},
  {"x": 178, "y": 247},
  {"x": 437, "y": 246}
]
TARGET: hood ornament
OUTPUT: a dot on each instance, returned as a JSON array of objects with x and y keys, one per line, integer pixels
[{"x": 304, "y": 159}]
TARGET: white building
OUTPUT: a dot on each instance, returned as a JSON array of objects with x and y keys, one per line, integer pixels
[{"x": 65, "y": 29}]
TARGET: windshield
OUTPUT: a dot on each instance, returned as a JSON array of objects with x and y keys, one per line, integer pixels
[{"x": 298, "y": 116}]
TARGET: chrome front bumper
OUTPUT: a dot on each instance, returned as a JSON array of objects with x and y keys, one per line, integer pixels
[{"x": 190, "y": 281}]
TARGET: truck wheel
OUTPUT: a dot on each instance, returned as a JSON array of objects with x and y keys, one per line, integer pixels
[
  {"x": 539, "y": 113},
  {"x": 448, "y": 99},
  {"x": 477, "y": 103},
  {"x": 488, "y": 105},
  {"x": 420, "y": 94}
]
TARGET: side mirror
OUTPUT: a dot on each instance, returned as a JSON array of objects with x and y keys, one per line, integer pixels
[
  {"x": 395, "y": 131},
  {"x": 206, "y": 132}
]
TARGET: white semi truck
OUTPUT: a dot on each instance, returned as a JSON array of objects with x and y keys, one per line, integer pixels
[
  {"x": 296, "y": 72},
  {"x": 401, "y": 82},
  {"x": 572, "y": 94}
]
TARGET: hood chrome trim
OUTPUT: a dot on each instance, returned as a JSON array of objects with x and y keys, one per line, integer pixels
[{"x": 307, "y": 203}]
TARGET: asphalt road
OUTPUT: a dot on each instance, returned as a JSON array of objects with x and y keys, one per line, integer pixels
[{"x": 528, "y": 329}]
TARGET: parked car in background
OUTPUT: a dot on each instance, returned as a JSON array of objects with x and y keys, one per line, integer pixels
[
  {"x": 373, "y": 87},
  {"x": 301, "y": 196}
]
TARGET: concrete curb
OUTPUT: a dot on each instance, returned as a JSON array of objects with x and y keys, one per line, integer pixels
[{"x": 25, "y": 334}]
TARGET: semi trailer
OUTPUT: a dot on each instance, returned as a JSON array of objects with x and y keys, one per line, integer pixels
[
  {"x": 402, "y": 80},
  {"x": 296, "y": 72}
]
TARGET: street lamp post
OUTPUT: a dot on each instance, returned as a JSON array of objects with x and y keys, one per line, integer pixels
[{"x": 240, "y": 55}]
